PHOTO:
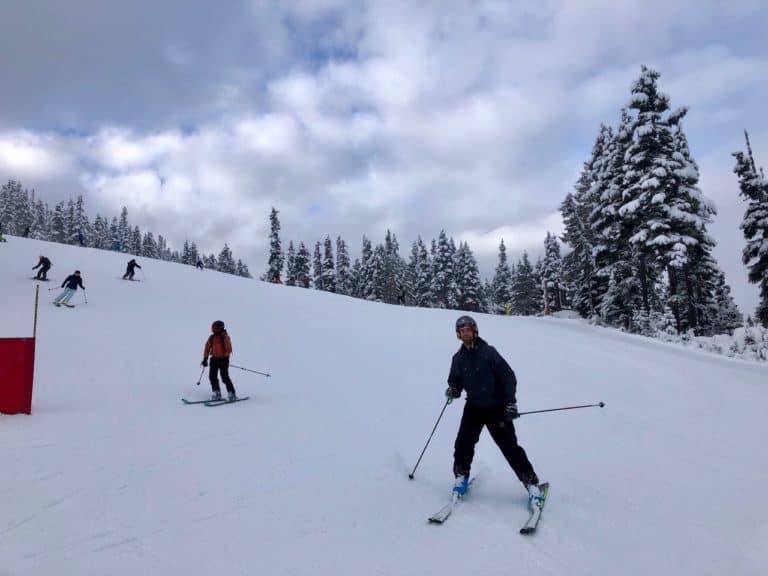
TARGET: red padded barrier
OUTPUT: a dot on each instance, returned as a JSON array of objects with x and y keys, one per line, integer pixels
[{"x": 17, "y": 368}]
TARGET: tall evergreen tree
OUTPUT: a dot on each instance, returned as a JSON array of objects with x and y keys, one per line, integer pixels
[
  {"x": 343, "y": 271},
  {"x": 442, "y": 271},
  {"x": 551, "y": 274},
  {"x": 302, "y": 265},
  {"x": 317, "y": 268},
  {"x": 501, "y": 285},
  {"x": 275, "y": 263},
  {"x": 290, "y": 265},
  {"x": 328, "y": 267},
  {"x": 525, "y": 291},
  {"x": 754, "y": 189},
  {"x": 226, "y": 262}
]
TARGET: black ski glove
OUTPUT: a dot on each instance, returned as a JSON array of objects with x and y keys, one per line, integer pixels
[
  {"x": 452, "y": 393},
  {"x": 510, "y": 412},
  {"x": 204, "y": 362}
]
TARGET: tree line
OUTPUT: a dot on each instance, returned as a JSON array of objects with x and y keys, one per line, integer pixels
[{"x": 68, "y": 223}]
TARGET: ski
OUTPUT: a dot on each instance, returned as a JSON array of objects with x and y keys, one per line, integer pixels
[
  {"x": 533, "y": 520},
  {"x": 57, "y": 304},
  {"x": 195, "y": 401},
  {"x": 223, "y": 401},
  {"x": 442, "y": 515}
]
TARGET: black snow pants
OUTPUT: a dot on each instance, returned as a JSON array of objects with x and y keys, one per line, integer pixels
[
  {"x": 42, "y": 274},
  {"x": 503, "y": 433},
  {"x": 220, "y": 365}
]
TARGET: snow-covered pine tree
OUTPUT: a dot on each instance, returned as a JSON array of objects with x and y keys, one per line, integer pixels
[
  {"x": 303, "y": 277},
  {"x": 226, "y": 262},
  {"x": 290, "y": 265},
  {"x": 343, "y": 272},
  {"x": 392, "y": 270},
  {"x": 135, "y": 245},
  {"x": 209, "y": 261},
  {"x": 241, "y": 269},
  {"x": 81, "y": 227},
  {"x": 421, "y": 290},
  {"x": 442, "y": 271},
  {"x": 354, "y": 278},
  {"x": 648, "y": 177},
  {"x": 59, "y": 224},
  {"x": 551, "y": 272},
  {"x": 317, "y": 268},
  {"x": 728, "y": 316},
  {"x": 501, "y": 293},
  {"x": 185, "y": 257},
  {"x": 100, "y": 233},
  {"x": 467, "y": 279},
  {"x": 328, "y": 267},
  {"x": 623, "y": 296},
  {"x": 123, "y": 232},
  {"x": 41, "y": 228},
  {"x": 526, "y": 298},
  {"x": 366, "y": 288},
  {"x": 114, "y": 235},
  {"x": 754, "y": 189},
  {"x": 275, "y": 262},
  {"x": 149, "y": 247},
  {"x": 378, "y": 280}
]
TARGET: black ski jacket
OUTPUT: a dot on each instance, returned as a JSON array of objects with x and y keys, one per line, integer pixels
[
  {"x": 483, "y": 374},
  {"x": 73, "y": 281}
]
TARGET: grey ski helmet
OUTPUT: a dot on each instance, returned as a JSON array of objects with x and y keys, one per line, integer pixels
[
  {"x": 465, "y": 321},
  {"x": 218, "y": 325}
]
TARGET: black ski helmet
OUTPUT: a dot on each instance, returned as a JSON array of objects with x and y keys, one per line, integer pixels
[
  {"x": 465, "y": 321},
  {"x": 218, "y": 324}
]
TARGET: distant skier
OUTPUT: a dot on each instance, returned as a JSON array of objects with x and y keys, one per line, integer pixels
[
  {"x": 199, "y": 265},
  {"x": 491, "y": 386},
  {"x": 70, "y": 286},
  {"x": 131, "y": 270},
  {"x": 219, "y": 348},
  {"x": 44, "y": 264}
]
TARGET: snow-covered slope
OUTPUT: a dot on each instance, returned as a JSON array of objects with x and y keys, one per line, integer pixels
[{"x": 112, "y": 474}]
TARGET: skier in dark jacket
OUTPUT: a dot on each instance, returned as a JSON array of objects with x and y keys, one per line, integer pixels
[
  {"x": 70, "y": 286},
  {"x": 490, "y": 385},
  {"x": 219, "y": 348},
  {"x": 131, "y": 270},
  {"x": 44, "y": 264}
]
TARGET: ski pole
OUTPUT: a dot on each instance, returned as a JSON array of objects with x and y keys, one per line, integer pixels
[
  {"x": 448, "y": 401},
  {"x": 143, "y": 276},
  {"x": 201, "y": 376},
  {"x": 600, "y": 404},
  {"x": 249, "y": 370},
  {"x": 85, "y": 297}
]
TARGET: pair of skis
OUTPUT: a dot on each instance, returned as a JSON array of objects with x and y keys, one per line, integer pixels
[
  {"x": 528, "y": 528},
  {"x": 215, "y": 402}
]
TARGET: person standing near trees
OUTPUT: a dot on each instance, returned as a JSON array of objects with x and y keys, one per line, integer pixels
[{"x": 490, "y": 385}]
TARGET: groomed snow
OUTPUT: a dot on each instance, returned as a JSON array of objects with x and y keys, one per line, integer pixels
[{"x": 112, "y": 475}]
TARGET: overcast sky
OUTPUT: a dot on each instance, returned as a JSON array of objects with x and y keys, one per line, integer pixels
[{"x": 354, "y": 117}]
